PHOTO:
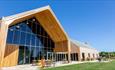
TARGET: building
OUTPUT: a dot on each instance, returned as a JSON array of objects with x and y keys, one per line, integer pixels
[
  {"x": 34, "y": 35},
  {"x": 84, "y": 51}
]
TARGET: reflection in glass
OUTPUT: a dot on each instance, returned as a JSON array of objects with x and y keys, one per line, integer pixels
[{"x": 33, "y": 41}]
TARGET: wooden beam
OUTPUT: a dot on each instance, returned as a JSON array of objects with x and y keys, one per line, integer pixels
[
  {"x": 3, "y": 36},
  {"x": 69, "y": 51},
  {"x": 61, "y": 46}
]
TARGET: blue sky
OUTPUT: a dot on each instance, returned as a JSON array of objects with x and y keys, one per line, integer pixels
[{"x": 86, "y": 21}]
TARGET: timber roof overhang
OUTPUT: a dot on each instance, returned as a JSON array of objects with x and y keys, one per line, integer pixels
[{"x": 47, "y": 19}]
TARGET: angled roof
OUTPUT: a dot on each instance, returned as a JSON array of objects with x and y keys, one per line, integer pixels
[
  {"x": 47, "y": 19},
  {"x": 81, "y": 44},
  {"x": 27, "y": 13}
]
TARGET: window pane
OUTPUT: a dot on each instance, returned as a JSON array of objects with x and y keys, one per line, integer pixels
[
  {"x": 16, "y": 37},
  {"x": 28, "y": 28},
  {"x": 33, "y": 40},
  {"x": 37, "y": 40},
  {"x": 38, "y": 29},
  {"x": 22, "y": 38},
  {"x": 23, "y": 26},
  {"x": 28, "y": 39},
  {"x": 10, "y": 36}
]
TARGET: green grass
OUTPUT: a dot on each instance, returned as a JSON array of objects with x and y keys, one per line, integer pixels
[{"x": 88, "y": 66}]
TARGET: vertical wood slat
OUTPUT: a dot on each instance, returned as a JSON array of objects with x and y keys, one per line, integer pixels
[
  {"x": 3, "y": 36},
  {"x": 11, "y": 55},
  {"x": 61, "y": 46}
]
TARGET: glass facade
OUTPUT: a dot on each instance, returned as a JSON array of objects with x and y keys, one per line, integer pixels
[{"x": 34, "y": 42}]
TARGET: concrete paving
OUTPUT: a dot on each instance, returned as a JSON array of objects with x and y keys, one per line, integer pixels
[
  {"x": 30, "y": 67},
  {"x": 22, "y": 67}
]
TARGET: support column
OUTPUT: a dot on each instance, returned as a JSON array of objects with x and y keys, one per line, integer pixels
[
  {"x": 69, "y": 51},
  {"x": 79, "y": 57},
  {"x": 3, "y": 36}
]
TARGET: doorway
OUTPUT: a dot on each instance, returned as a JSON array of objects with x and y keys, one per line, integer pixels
[
  {"x": 24, "y": 55},
  {"x": 74, "y": 56},
  {"x": 50, "y": 55},
  {"x": 83, "y": 56}
]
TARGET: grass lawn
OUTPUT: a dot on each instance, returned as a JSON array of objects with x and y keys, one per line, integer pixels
[{"x": 88, "y": 66}]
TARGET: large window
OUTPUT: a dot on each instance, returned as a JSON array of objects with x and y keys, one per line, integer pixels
[{"x": 33, "y": 40}]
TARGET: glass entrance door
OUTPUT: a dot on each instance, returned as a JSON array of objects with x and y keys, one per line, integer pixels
[
  {"x": 49, "y": 55},
  {"x": 21, "y": 55},
  {"x": 24, "y": 55},
  {"x": 27, "y": 55}
]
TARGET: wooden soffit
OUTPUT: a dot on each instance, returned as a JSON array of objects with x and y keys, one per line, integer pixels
[
  {"x": 50, "y": 24},
  {"x": 48, "y": 21}
]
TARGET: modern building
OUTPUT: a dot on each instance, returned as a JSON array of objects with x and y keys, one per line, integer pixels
[
  {"x": 84, "y": 51},
  {"x": 34, "y": 35}
]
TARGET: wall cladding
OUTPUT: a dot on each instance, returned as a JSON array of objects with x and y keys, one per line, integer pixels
[{"x": 11, "y": 55}]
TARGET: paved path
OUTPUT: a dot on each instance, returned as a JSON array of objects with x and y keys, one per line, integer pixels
[
  {"x": 30, "y": 67},
  {"x": 21, "y": 67}
]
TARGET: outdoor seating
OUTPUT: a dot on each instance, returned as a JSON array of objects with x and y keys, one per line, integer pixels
[
  {"x": 34, "y": 62},
  {"x": 64, "y": 61},
  {"x": 48, "y": 63}
]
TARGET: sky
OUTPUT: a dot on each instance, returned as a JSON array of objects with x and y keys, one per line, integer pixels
[{"x": 91, "y": 21}]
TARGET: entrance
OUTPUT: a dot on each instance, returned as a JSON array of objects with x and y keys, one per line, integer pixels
[
  {"x": 24, "y": 55},
  {"x": 83, "y": 56},
  {"x": 50, "y": 55},
  {"x": 74, "y": 56},
  {"x": 27, "y": 54}
]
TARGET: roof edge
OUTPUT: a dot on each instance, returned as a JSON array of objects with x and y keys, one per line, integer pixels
[
  {"x": 58, "y": 22},
  {"x": 10, "y": 19},
  {"x": 26, "y": 13},
  {"x": 82, "y": 44}
]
